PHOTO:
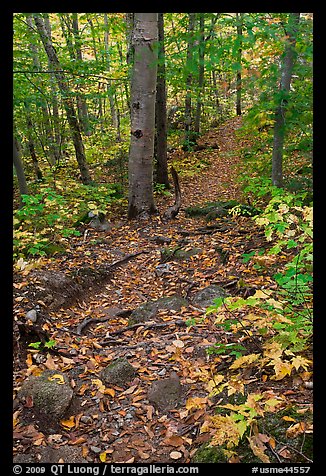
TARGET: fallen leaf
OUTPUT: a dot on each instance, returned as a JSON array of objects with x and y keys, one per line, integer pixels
[
  {"x": 175, "y": 454},
  {"x": 59, "y": 379},
  {"x": 70, "y": 423},
  {"x": 174, "y": 440}
]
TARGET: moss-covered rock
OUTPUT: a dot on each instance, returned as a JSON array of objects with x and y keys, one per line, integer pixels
[
  {"x": 178, "y": 254},
  {"x": 50, "y": 392},
  {"x": 120, "y": 372},
  {"x": 147, "y": 311},
  {"x": 209, "y": 454},
  {"x": 220, "y": 209},
  {"x": 205, "y": 297}
]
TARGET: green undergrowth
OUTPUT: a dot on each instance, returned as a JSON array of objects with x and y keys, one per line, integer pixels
[
  {"x": 270, "y": 338},
  {"x": 50, "y": 216}
]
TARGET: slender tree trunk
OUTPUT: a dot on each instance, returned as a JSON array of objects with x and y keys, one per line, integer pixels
[
  {"x": 31, "y": 144},
  {"x": 109, "y": 84},
  {"x": 81, "y": 103},
  {"x": 18, "y": 164},
  {"x": 189, "y": 81},
  {"x": 45, "y": 112},
  {"x": 68, "y": 103},
  {"x": 54, "y": 101},
  {"x": 143, "y": 90},
  {"x": 279, "y": 120},
  {"x": 130, "y": 52},
  {"x": 201, "y": 71},
  {"x": 216, "y": 95},
  {"x": 160, "y": 111},
  {"x": 239, "y": 18}
]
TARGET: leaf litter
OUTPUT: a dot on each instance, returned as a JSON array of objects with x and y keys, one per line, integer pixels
[{"x": 115, "y": 424}]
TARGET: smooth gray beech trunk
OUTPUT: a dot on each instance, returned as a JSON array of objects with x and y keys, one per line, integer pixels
[
  {"x": 67, "y": 100},
  {"x": 279, "y": 124},
  {"x": 143, "y": 92}
]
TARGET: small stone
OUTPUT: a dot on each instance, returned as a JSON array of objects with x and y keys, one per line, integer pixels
[
  {"x": 96, "y": 449},
  {"x": 86, "y": 419},
  {"x": 32, "y": 315}
]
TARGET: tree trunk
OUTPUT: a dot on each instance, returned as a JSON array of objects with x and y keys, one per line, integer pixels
[
  {"x": 189, "y": 80},
  {"x": 31, "y": 144},
  {"x": 18, "y": 164},
  {"x": 279, "y": 120},
  {"x": 160, "y": 111},
  {"x": 54, "y": 101},
  {"x": 201, "y": 57},
  {"x": 239, "y": 18},
  {"x": 109, "y": 83},
  {"x": 143, "y": 89},
  {"x": 81, "y": 103},
  {"x": 68, "y": 103},
  {"x": 45, "y": 112}
]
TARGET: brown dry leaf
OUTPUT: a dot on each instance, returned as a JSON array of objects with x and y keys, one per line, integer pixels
[
  {"x": 50, "y": 363},
  {"x": 150, "y": 411},
  {"x": 258, "y": 448},
  {"x": 78, "y": 441},
  {"x": 143, "y": 455},
  {"x": 294, "y": 430},
  {"x": 130, "y": 390},
  {"x": 174, "y": 440}
]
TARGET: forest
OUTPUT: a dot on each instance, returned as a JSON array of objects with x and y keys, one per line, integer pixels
[{"x": 163, "y": 238}]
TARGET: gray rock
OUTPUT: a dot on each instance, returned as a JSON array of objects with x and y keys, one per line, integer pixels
[
  {"x": 147, "y": 311},
  {"x": 119, "y": 372},
  {"x": 32, "y": 315},
  {"x": 50, "y": 397},
  {"x": 49, "y": 454},
  {"x": 162, "y": 269},
  {"x": 166, "y": 393},
  {"x": 204, "y": 297},
  {"x": 178, "y": 254}
]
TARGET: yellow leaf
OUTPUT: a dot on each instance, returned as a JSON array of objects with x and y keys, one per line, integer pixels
[
  {"x": 109, "y": 391},
  {"x": 262, "y": 293},
  {"x": 287, "y": 418},
  {"x": 196, "y": 402},
  {"x": 244, "y": 361},
  {"x": 298, "y": 362},
  {"x": 103, "y": 457},
  {"x": 70, "y": 423},
  {"x": 281, "y": 368},
  {"x": 59, "y": 379},
  {"x": 99, "y": 384}
]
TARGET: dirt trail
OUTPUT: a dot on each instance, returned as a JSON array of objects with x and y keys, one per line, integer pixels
[
  {"x": 217, "y": 182},
  {"x": 122, "y": 422}
]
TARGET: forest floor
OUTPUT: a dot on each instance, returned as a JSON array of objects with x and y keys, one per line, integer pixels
[{"x": 90, "y": 327}]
